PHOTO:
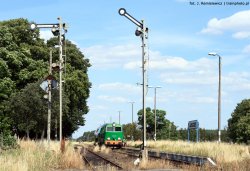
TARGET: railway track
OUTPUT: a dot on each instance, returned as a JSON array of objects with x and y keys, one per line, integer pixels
[
  {"x": 97, "y": 161},
  {"x": 188, "y": 159}
]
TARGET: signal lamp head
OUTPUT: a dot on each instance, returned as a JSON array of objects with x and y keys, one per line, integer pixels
[
  {"x": 138, "y": 32},
  {"x": 55, "y": 31},
  {"x": 63, "y": 37}
]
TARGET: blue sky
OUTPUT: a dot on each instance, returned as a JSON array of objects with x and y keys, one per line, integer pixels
[{"x": 180, "y": 37}]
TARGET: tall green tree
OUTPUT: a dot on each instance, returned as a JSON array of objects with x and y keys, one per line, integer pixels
[
  {"x": 164, "y": 128},
  {"x": 24, "y": 64},
  {"x": 76, "y": 86},
  {"x": 28, "y": 109},
  {"x": 14, "y": 57},
  {"x": 132, "y": 132},
  {"x": 239, "y": 123},
  {"x": 18, "y": 49},
  {"x": 87, "y": 136}
]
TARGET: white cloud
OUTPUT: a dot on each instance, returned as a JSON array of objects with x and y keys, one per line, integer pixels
[
  {"x": 238, "y": 23},
  {"x": 195, "y": 94},
  {"x": 237, "y": 81},
  {"x": 163, "y": 39},
  {"x": 174, "y": 63},
  {"x": 193, "y": 99},
  {"x": 241, "y": 35},
  {"x": 113, "y": 99},
  {"x": 46, "y": 34},
  {"x": 129, "y": 57},
  {"x": 233, "y": 81},
  {"x": 247, "y": 49},
  {"x": 190, "y": 78},
  {"x": 97, "y": 107},
  {"x": 119, "y": 86},
  {"x": 200, "y": 75},
  {"x": 213, "y": 27},
  {"x": 108, "y": 56},
  {"x": 132, "y": 65}
]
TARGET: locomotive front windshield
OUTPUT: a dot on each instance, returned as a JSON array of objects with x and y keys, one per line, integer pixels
[
  {"x": 109, "y": 129},
  {"x": 114, "y": 129},
  {"x": 118, "y": 128}
]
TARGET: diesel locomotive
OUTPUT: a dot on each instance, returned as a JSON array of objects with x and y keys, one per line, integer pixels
[{"x": 110, "y": 134}]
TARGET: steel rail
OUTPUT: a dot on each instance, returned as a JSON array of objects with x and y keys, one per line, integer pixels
[
  {"x": 107, "y": 160},
  {"x": 188, "y": 159},
  {"x": 99, "y": 156},
  {"x": 88, "y": 163}
]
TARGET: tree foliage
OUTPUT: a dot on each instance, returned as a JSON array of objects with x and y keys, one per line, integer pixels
[
  {"x": 76, "y": 86},
  {"x": 164, "y": 128},
  {"x": 24, "y": 65},
  {"x": 7, "y": 140},
  {"x": 87, "y": 136},
  {"x": 132, "y": 132},
  {"x": 204, "y": 135},
  {"x": 239, "y": 123}
]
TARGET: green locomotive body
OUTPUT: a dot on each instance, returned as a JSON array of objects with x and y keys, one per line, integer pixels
[{"x": 110, "y": 134}]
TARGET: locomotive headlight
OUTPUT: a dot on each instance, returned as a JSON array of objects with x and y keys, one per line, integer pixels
[
  {"x": 108, "y": 138},
  {"x": 119, "y": 138}
]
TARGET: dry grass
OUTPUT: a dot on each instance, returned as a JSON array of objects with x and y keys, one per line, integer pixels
[
  {"x": 222, "y": 152},
  {"x": 227, "y": 156},
  {"x": 102, "y": 149},
  {"x": 38, "y": 156},
  {"x": 156, "y": 164},
  {"x": 232, "y": 157}
]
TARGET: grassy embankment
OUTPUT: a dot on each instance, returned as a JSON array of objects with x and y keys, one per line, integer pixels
[
  {"x": 37, "y": 156},
  {"x": 227, "y": 156}
]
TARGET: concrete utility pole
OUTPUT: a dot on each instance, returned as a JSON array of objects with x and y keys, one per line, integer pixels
[
  {"x": 60, "y": 75},
  {"x": 144, "y": 46},
  {"x": 49, "y": 98},
  {"x": 56, "y": 133},
  {"x": 170, "y": 124},
  {"x": 219, "y": 95},
  {"x": 141, "y": 31},
  {"x": 119, "y": 116},
  {"x": 57, "y": 31},
  {"x": 155, "y": 87},
  {"x": 219, "y": 101},
  {"x": 132, "y": 103},
  {"x": 132, "y": 136}
]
